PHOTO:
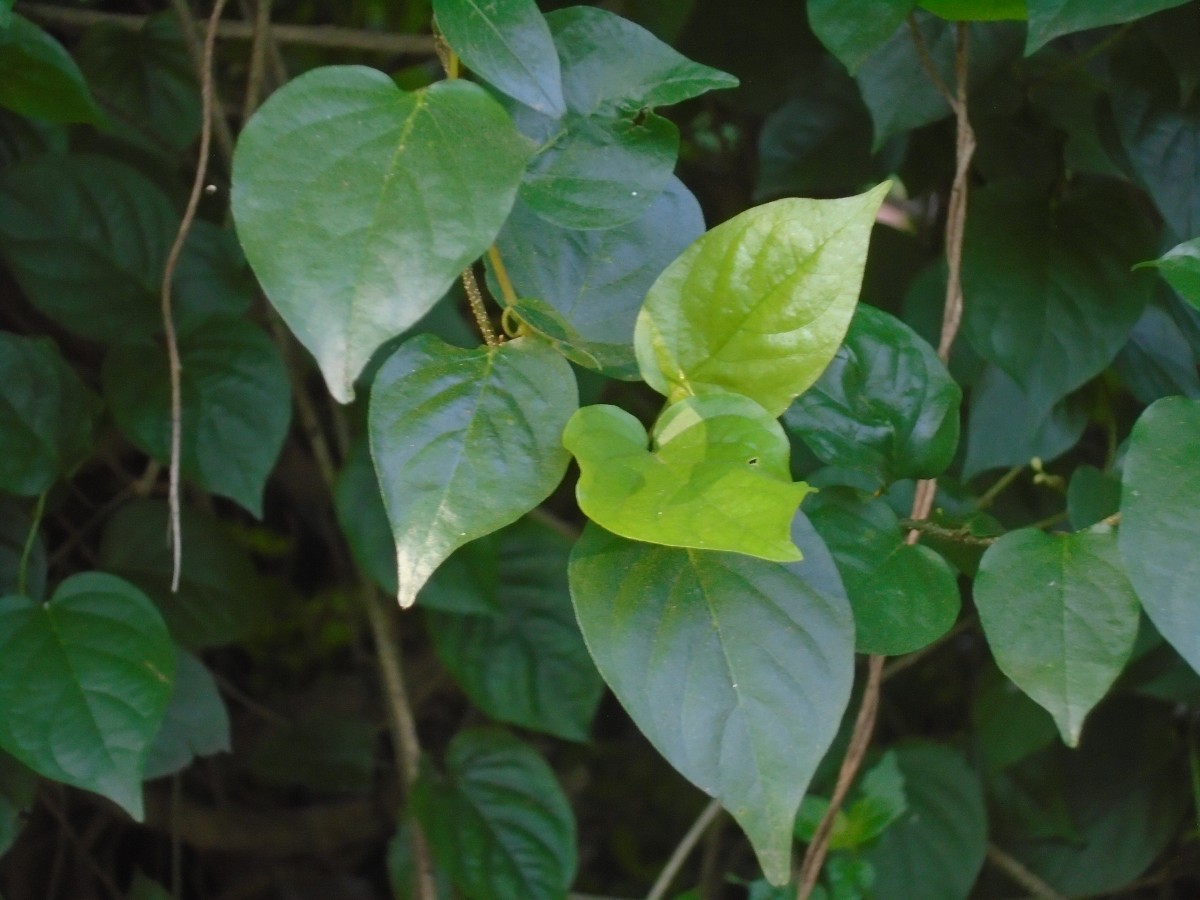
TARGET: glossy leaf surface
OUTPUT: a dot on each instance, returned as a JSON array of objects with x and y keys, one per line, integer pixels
[
  {"x": 508, "y": 44},
  {"x": 236, "y": 405},
  {"x": 904, "y": 596},
  {"x": 39, "y": 78},
  {"x": 1060, "y": 617},
  {"x": 715, "y": 476},
  {"x": 760, "y": 304},
  {"x": 71, "y": 708},
  {"x": 1160, "y": 520},
  {"x": 735, "y": 668},
  {"x": 444, "y": 422},
  {"x": 351, "y": 247},
  {"x": 885, "y": 405},
  {"x": 524, "y": 662},
  {"x": 47, "y": 415},
  {"x": 498, "y": 822}
]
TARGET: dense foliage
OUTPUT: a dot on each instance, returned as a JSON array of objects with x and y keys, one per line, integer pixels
[{"x": 573, "y": 409}]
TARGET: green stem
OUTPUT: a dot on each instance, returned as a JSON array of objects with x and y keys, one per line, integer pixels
[
  {"x": 23, "y": 569},
  {"x": 997, "y": 489}
]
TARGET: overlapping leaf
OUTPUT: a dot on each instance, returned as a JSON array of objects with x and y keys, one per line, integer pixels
[
  {"x": 852, "y": 32},
  {"x": 1049, "y": 19},
  {"x": 72, "y": 708},
  {"x": 358, "y": 204},
  {"x": 1060, "y": 617},
  {"x": 715, "y": 476},
  {"x": 39, "y": 78},
  {"x": 444, "y": 424},
  {"x": 195, "y": 722},
  {"x": 736, "y": 669},
  {"x": 760, "y": 304}
]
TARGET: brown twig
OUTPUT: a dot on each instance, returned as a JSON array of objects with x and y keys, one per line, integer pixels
[
  {"x": 1015, "y": 870},
  {"x": 685, "y": 846},
  {"x": 864, "y": 724},
  {"x": 329, "y": 37},
  {"x": 189, "y": 215}
]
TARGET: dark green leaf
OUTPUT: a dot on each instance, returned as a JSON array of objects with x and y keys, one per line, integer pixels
[
  {"x": 1051, "y": 296},
  {"x": 498, "y": 823},
  {"x": 885, "y": 405},
  {"x": 72, "y": 708},
  {"x": 853, "y": 31},
  {"x": 236, "y": 405},
  {"x": 22, "y": 138},
  {"x": 17, "y": 787},
  {"x": 1158, "y": 361},
  {"x": 146, "y": 82},
  {"x": 975, "y": 10},
  {"x": 524, "y": 662},
  {"x": 221, "y": 598},
  {"x": 507, "y": 44},
  {"x": 38, "y": 78},
  {"x": 760, "y": 304},
  {"x": 897, "y": 89},
  {"x": 350, "y": 245},
  {"x": 1092, "y": 495},
  {"x": 596, "y": 280},
  {"x": 736, "y": 669},
  {"x": 212, "y": 280},
  {"x": 402, "y": 867},
  {"x": 1008, "y": 725},
  {"x": 604, "y": 162},
  {"x": 47, "y": 415},
  {"x": 445, "y": 423},
  {"x": 937, "y": 848},
  {"x": 714, "y": 477},
  {"x": 1049, "y": 19},
  {"x": 904, "y": 596},
  {"x": 1060, "y": 617},
  {"x": 195, "y": 723},
  {"x": 144, "y": 888},
  {"x": 1160, "y": 520},
  {"x": 326, "y": 753},
  {"x": 1004, "y": 429},
  {"x": 14, "y": 533},
  {"x": 363, "y": 519},
  {"x": 1180, "y": 266}
]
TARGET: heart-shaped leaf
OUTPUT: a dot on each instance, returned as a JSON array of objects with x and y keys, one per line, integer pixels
[
  {"x": 715, "y": 477},
  {"x": 737, "y": 669},
  {"x": 1160, "y": 520},
  {"x": 358, "y": 204},
  {"x": 760, "y": 304},
  {"x": 1060, "y": 617},
  {"x": 445, "y": 424},
  {"x": 498, "y": 823},
  {"x": 73, "y": 709}
]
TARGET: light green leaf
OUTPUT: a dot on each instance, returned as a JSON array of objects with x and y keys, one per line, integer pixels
[
  {"x": 359, "y": 204},
  {"x": 715, "y": 476},
  {"x": 1049, "y": 19},
  {"x": 221, "y": 598},
  {"x": 146, "y": 80},
  {"x": 498, "y": 822},
  {"x": 604, "y": 162},
  {"x": 596, "y": 280},
  {"x": 760, "y": 304},
  {"x": 904, "y": 596},
  {"x": 935, "y": 851},
  {"x": 1060, "y": 618},
  {"x": 445, "y": 424},
  {"x": 885, "y": 405},
  {"x": 736, "y": 669},
  {"x": 508, "y": 45},
  {"x": 71, "y": 708},
  {"x": 38, "y": 78},
  {"x": 1180, "y": 266},
  {"x": 522, "y": 661},
  {"x": 195, "y": 723},
  {"x": 853, "y": 31},
  {"x": 47, "y": 415},
  {"x": 1052, "y": 299},
  {"x": 18, "y": 784},
  {"x": 236, "y": 405},
  {"x": 976, "y": 10},
  {"x": 1160, "y": 520}
]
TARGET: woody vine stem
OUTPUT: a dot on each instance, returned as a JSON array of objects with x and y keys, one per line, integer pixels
[{"x": 956, "y": 216}]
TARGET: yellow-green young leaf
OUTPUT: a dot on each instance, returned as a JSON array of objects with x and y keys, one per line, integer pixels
[
  {"x": 759, "y": 305},
  {"x": 715, "y": 476},
  {"x": 1060, "y": 618},
  {"x": 465, "y": 442},
  {"x": 738, "y": 670},
  {"x": 38, "y": 78},
  {"x": 1160, "y": 520},
  {"x": 976, "y": 10},
  {"x": 359, "y": 204},
  {"x": 84, "y": 684}
]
